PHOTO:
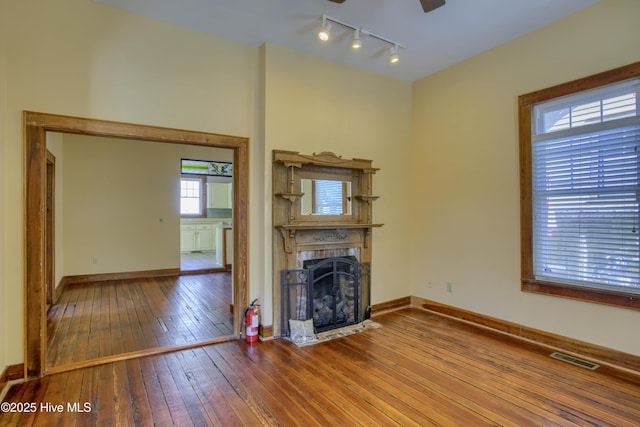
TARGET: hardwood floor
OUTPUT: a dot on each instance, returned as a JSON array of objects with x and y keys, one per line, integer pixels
[
  {"x": 418, "y": 369},
  {"x": 107, "y": 318}
]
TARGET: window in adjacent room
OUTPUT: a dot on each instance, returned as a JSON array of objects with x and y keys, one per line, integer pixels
[
  {"x": 192, "y": 197},
  {"x": 580, "y": 184}
]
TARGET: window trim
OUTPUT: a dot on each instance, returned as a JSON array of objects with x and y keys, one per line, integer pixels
[
  {"x": 203, "y": 195},
  {"x": 525, "y": 107}
]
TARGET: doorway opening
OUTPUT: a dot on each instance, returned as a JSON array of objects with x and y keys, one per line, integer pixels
[
  {"x": 37, "y": 126},
  {"x": 206, "y": 211}
]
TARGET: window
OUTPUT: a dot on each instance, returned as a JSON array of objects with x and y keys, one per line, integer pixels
[
  {"x": 192, "y": 198},
  {"x": 580, "y": 158}
]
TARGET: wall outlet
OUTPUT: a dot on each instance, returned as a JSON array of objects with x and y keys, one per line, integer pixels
[
  {"x": 429, "y": 285},
  {"x": 449, "y": 287},
  {"x": 95, "y": 259}
]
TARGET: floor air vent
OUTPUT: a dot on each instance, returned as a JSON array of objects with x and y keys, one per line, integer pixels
[{"x": 575, "y": 361}]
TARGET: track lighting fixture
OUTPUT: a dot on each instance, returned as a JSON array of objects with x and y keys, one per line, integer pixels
[
  {"x": 324, "y": 33},
  {"x": 356, "y": 42}
]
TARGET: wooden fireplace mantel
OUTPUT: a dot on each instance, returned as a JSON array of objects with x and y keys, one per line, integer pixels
[
  {"x": 288, "y": 231},
  {"x": 295, "y": 232}
]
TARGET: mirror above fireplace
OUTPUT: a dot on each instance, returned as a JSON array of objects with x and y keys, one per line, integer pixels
[{"x": 326, "y": 197}]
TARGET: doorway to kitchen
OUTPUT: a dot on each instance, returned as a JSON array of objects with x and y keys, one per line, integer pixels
[{"x": 206, "y": 211}]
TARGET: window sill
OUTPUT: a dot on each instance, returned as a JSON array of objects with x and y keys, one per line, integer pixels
[{"x": 601, "y": 296}]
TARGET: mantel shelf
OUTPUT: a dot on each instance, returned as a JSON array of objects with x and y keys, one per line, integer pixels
[
  {"x": 291, "y": 197},
  {"x": 288, "y": 231},
  {"x": 295, "y": 227},
  {"x": 367, "y": 198}
]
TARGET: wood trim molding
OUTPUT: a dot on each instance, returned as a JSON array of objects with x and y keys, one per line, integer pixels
[
  {"x": 326, "y": 158},
  {"x": 89, "y": 278},
  {"x": 529, "y": 283},
  {"x": 11, "y": 373},
  {"x": 265, "y": 332},
  {"x": 58, "y": 290},
  {"x": 131, "y": 355},
  {"x": 390, "y": 305},
  {"x": 613, "y": 361}
]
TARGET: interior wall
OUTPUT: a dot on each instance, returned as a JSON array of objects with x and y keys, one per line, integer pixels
[
  {"x": 466, "y": 179},
  {"x": 121, "y": 203},
  {"x": 107, "y": 64},
  {"x": 4, "y": 320},
  {"x": 313, "y": 105}
]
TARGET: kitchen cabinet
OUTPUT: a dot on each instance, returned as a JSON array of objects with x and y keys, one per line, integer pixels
[
  {"x": 219, "y": 195},
  {"x": 197, "y": 237}
]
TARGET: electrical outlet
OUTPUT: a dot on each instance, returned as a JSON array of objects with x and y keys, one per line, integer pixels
[
  {"x": 95, "y": 259},
  {"x": 429, "y": 285},
  {"x": 449, "y": 287}
]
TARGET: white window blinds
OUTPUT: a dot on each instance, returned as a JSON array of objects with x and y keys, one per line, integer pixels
[
  {"x": 329, "y": 197},
  {"x": 586, "y": 188}
]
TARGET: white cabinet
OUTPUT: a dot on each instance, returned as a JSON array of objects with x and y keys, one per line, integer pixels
[
  {"x": 187, "y": 238},
  {"x": 219, "y": 195},
  {"x": 197, "y": 237}
]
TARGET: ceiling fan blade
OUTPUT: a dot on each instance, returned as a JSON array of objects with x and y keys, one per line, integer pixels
[
  {"x": 429, "y": 5},
  {"x": 337, "y": 1}
]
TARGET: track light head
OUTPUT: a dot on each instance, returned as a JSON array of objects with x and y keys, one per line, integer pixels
[
  {"x": 356, "y": 43},
  {"x": 324, "y": 33},
  {"x": 393, "y": 54}
]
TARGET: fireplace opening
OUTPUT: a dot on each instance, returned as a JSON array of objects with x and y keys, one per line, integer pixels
[
  {"x": 333, "y": 296},
  {"x": 327, "y": 290}
]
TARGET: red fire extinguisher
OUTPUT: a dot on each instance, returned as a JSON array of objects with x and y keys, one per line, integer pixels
[{"x": 251, "y": 321}]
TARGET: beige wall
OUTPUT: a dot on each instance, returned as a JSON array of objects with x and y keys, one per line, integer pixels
[
  {"x": 312, "y": 105},
  {"x": 465, "y": 173},
  {"x": 4, "y": 323},
  {"x": 121, "y": 203}
]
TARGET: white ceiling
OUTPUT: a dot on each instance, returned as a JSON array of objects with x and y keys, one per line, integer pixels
[{"x": 434, "y": 41}]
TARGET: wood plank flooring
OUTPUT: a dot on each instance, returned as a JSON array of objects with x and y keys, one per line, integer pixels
[
  {"x": 108, "y": 318},
  {"x": 418, "y": 369}
]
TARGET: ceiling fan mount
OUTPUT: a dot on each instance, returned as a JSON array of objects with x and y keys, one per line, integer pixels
[{"x": 427, "y": 5}]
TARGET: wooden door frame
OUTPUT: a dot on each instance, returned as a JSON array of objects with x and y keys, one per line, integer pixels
[
  {"x": 50, "y": 224},
  {"x": 36, "y": 126}
]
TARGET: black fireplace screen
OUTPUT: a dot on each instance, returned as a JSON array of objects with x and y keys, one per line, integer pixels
[{"x": 334, "y": 292}]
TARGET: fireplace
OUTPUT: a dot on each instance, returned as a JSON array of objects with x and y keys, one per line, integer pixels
[
  {"x": 334, "y": 285},
  {"x": 327, "y": 290},
  {"x": 321, "y": 256}
]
